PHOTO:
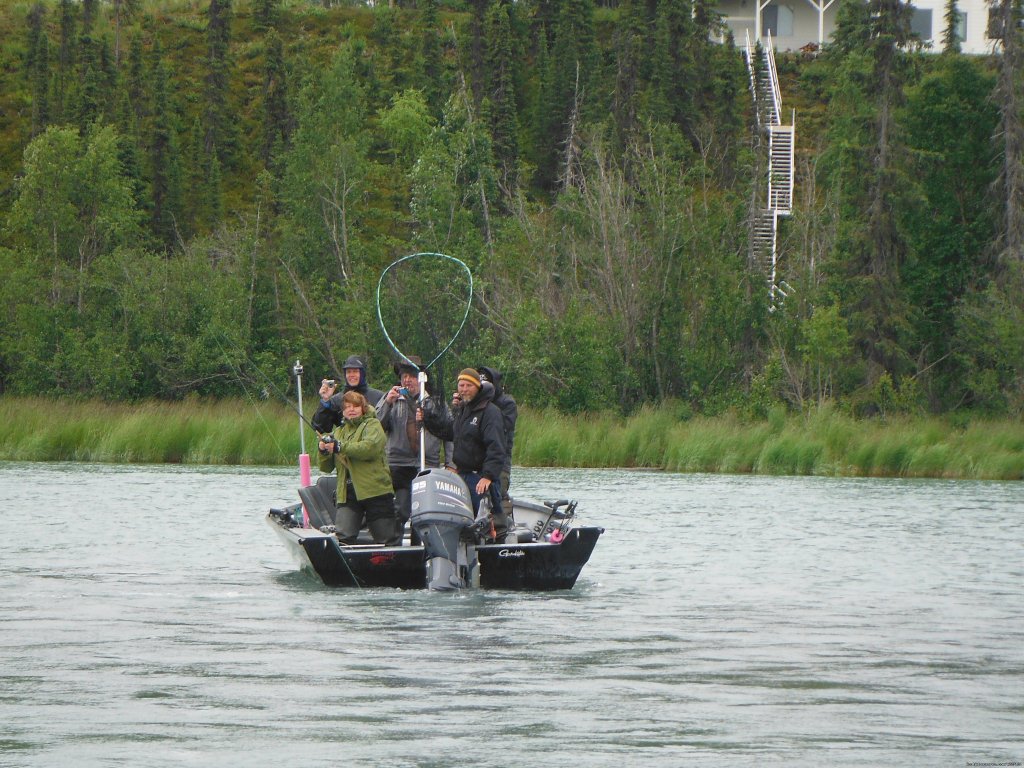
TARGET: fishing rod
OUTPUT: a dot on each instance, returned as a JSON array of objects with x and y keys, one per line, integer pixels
[{"x": 266, "y": 379}]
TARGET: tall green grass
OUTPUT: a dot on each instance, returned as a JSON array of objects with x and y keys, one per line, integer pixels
[
  {"x": 822, "y": 443},
  {"x": 190, "y": 432}
]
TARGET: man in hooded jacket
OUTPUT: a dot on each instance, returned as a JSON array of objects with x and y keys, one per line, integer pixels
[
  {"x": 476, "y": 427},
  {"x": 328, "y": 414},
  {"x": 509, "y": 413}
]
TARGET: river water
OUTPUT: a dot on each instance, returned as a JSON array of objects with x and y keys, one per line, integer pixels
[{"x": 150, "y": 617}]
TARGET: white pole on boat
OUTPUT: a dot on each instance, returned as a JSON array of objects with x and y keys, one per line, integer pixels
[
  {"x": 304, "y": 476},
  {"x": 422, "y": 376}
]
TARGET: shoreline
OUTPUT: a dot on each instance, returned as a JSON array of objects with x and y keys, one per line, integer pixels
[{"x": 822, "y": 443}]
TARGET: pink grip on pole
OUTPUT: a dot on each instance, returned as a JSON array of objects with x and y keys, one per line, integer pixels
[{"x": 304, "y": 478}]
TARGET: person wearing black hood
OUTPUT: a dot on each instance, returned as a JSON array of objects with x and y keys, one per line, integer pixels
[
  {"x": 476, "y": 426},
  {"x": 509, "y": 412},
  {"x": 328, "y": 415}
]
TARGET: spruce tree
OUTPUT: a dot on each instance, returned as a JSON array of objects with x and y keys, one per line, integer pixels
[
  {"x": 547, "y": 121},
  {"x": 477, "y": 53},
  {"x": 674, "y": 75},
  {"x": 950, "y": 39},
  {"x": 504, "y": 121},
  {"x": 88, "y": 17},
  {"x": 87, "y": 103},
  {"x": 65, "y": 59},
  {"x": 276, "y": 114},
  {"x": 386, "y": 37},
  {"x": 869, "y": 80},
  {"x": 165, "y": 166},
  {"x": 575, "y": 56},
  {"x": 265, "y": 13},
  {"x": 136, "y": 78},
  {"x": 129, "y": 142},
  {"x": 630, "y": 53},
  {"x": 219, "y": 134},
  {"x": 949, "y": 121},
  {"x": 572, "y": 99},
  {"x": 431, "y": 70},
  {"x": 37, "y": 68}
]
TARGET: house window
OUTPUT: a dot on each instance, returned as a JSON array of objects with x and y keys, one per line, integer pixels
[
  {"x": 961, "y": 26},
  {"x": 921, "y": 24},
  {"x": 777, "y": 20}
]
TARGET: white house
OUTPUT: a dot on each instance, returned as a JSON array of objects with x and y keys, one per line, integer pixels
[{"x": 794, "y": 24}]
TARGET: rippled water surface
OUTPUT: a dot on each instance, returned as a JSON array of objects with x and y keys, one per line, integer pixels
[{"x": 149, "y": 617}]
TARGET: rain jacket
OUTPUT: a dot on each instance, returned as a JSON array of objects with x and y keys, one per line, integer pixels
[
  {"x": 360, "y": 459},
  {"x": 394, "y": 418},
  {"x": 478, "y": 430},
  {"x": 509, "y": 411}
]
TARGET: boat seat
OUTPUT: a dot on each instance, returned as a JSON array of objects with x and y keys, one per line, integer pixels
[
  {"x": 328, "y": 485},
  {"x": 319, "y": 501}
]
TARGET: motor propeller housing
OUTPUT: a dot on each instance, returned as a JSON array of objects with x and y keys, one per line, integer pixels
[{"x": 442, "y": 513}]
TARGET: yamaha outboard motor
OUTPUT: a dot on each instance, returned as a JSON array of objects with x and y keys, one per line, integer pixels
[{"x": 442, "y": 513}]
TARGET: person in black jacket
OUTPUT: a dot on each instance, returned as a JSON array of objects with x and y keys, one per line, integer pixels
[
  {"x": 328, "y": 414},
  {"x": 509, "y": 413},
  {"x": 476, "y": 427}
]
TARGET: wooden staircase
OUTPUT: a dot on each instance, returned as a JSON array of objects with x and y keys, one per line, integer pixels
[{"x": 781, "y": 142}]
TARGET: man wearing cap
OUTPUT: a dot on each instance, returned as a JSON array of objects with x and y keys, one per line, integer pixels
[
  {"x": 397, "y": 414},
  {"x": 328, "y": 415},
  {"x": 475, "y": 425}
]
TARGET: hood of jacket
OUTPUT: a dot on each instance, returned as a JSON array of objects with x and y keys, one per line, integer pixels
[
  {"x": 494, "y": 377},
  {"x": 355, "y": 361}
]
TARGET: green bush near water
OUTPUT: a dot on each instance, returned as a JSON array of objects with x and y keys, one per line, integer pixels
[{"x": 823, "y": 443}]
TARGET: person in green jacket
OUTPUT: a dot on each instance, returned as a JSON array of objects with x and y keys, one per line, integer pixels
[{"x": 364, "y": 496}]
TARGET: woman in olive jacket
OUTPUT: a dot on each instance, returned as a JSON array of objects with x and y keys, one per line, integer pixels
[{"x": 364, "y": 494}]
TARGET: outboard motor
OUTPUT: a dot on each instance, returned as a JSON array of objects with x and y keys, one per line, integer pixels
[{"x": 442, "y": 513}]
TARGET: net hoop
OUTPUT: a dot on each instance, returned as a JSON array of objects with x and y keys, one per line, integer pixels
[{"x": 465, "y": 315}]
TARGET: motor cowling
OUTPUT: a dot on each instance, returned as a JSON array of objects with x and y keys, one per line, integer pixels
[{"x": 442, "y": 512}]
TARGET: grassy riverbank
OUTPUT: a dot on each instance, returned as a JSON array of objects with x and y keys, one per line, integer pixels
[{"x": 824, "y": 443}]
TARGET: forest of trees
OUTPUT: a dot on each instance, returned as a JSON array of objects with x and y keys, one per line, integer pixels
[{"x": 194, "y": 189}]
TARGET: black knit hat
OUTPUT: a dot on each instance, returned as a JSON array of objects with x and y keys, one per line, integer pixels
[{"x": 412, "y": 365}]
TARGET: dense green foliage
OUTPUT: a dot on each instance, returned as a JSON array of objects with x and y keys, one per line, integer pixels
[
  {"x": 827, "y": 443},
  {"x": 200, "y": 191}
]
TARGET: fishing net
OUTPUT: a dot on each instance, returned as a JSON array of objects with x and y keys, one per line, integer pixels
[{"x": 423, "y": 302}]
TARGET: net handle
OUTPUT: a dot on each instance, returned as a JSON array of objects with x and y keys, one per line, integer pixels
[{"x": 465, "y": 316}]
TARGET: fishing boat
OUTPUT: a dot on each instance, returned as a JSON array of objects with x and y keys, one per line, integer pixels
[{"x": 545, "y": 550}]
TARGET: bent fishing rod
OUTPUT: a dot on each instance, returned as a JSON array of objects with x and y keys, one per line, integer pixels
[{"x": 266, "y": 380}]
